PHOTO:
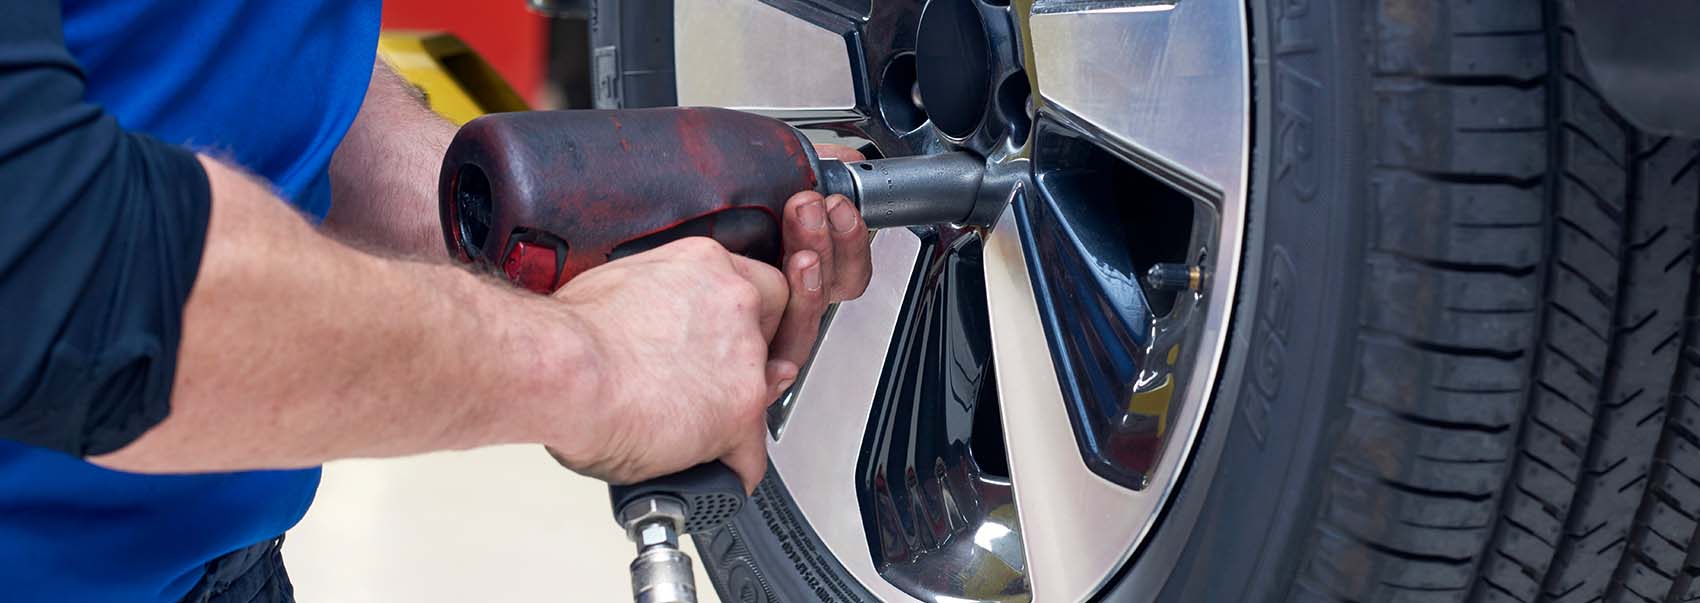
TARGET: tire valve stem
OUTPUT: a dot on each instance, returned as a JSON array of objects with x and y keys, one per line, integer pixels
[{"x": 1175, "y": 277}]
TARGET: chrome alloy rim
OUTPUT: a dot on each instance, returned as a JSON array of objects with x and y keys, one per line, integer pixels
[{"x": 1008, "y": 410}]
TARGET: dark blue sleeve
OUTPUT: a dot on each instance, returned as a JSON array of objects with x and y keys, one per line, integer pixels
[{"x": 100, "y": 236}]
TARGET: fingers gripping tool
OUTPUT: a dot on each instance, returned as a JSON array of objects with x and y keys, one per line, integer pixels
[{"x": 541, "y": 197}]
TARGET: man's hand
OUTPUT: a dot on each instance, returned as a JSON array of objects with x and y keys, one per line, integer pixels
[
  {"x": 680, "y": 337},
  {"x": 694, "y": 342},
  {"x": 826, "y": 261}
]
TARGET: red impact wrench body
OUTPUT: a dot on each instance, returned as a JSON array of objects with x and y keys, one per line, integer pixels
[{"x": 544, "y": 196}]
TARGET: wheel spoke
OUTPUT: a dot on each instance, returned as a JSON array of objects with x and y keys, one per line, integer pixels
[
  {"x": 1077, "y": 526},
  {"x": 935, "y": 499},
  {"x": 747, "y": 54},
  {"x": 818, "y": 444},
  {"x": 831, "y": 14},
  {"x": 1165, "y": 83}
]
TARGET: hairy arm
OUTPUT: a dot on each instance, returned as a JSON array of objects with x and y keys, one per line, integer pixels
[
  {"x": 297, "y": 350},
  {"x": 384, "y": 174},
  {"x": 166, "y": 313}
]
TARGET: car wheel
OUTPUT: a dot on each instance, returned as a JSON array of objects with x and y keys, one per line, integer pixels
[{"x": 1292, "y": 300}]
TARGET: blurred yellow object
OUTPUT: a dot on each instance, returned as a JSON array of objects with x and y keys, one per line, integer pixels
[{"x": 457, "y": 82}]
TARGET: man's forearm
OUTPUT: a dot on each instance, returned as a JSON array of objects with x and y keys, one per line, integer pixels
[
  {"x": 384, "y": 174},
  {"x": 297, "y": 350}
]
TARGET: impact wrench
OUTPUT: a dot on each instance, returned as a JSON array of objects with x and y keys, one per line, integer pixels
[{"x": 544, "y": 196}]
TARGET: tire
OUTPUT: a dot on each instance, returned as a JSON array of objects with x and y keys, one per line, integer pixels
[
  {"x": 1462, "y": 364},
  {"x": 1496, "y": 399}
]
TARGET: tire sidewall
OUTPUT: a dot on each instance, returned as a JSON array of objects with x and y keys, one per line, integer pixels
[{"x": 1251, "y": 490}]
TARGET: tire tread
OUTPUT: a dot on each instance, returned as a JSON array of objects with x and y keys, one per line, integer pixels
[{"x": 1541, "y": 350}]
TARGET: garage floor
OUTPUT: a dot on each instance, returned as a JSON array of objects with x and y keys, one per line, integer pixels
[{"x": 503, "y": 524}]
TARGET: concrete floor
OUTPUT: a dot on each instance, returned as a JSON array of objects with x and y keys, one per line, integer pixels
[{"x": 497, "y": 525}]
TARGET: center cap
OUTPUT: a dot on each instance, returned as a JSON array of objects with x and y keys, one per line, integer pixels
[{"x": 953, "y": 65}]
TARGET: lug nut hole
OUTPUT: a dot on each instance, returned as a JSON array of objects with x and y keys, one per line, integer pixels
[
  {"x": 954, "y": 62},
  {"x": 899, "y": 97},
  {"x": 1015, "y": 104}
]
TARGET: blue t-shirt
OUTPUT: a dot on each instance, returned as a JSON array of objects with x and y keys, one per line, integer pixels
[{"x": 272, "y": 86}]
